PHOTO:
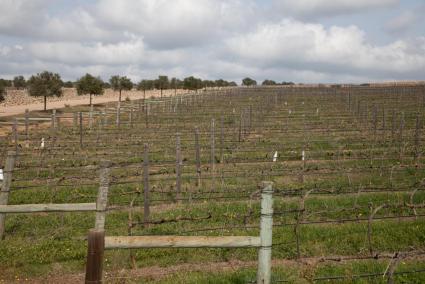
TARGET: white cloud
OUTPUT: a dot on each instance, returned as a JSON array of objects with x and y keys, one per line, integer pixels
[
  {"x": 177, "y": 23},
  {"x": 208, "y": 38},
  {"x": 335, "y": 50},
  {"x": 22, "y": 17},
  {"x": 326, "y": 8}
]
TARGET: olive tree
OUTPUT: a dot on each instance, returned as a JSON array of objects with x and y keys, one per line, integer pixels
[
  {"x": 249, "y": 82},
  {"x": 91, "y": 85},
  {"x": 192, "y": 83},
  {"x": 19, "y": 82},
  {"x": 45, "y": 84},
  {"x": 119, "y": 83},
  {"x": 2, "y": 92}
]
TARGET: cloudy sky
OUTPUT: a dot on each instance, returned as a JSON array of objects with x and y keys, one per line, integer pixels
[{"x": 285, "y": 40}]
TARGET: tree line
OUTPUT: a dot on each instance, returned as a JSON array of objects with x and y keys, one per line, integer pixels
[
  {"x": 251, "y": 82},
  {"x": 47, "y": 84}
]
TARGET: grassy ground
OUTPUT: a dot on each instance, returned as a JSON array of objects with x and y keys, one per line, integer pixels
[{"x": 349, "y": 170}]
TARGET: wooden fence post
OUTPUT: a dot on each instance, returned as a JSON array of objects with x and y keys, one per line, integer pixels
[
  {"x": 95, "y": 251},
  {"x": 131, "y": 116},
  {"x": 53, "y": 119},
  {"x": 15, "y": 134},
  {"x": 147, "y": 115},
  {"x": 240, "y": 127},
  {"x": 266, "y": 229},
  {"x": 118, "y": 115},
  {"x": 221, "y": 139},
  {"x": 178, "y": 165},
  {"x": 27, "y": 114},
  {"x": 81, "y": 129},
  {"x": 417, "y": 138},
  {"x": 198, "y": 158},
  {"x": 5, "y": 187},
  {"x": 213, "y": 151},
  {"x": 91, "y": 118},
  {"x": 146, "y": 198},
  {"x": 102, "y": 196},
  {"x": 401, "y": 140}
]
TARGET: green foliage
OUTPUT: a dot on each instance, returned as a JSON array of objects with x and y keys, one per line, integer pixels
[
  {"x": 19, "y": 82},
  {"x": 145, "y": 85},
  {"x": 176, "y": 83},
  {"x": 5, "y": 83},
  {"x": 89, "y": 84},
  {"x": 192, "y": 83},
  {"x": 2, "y": 93},
  {"x": 268, "y": 83},
  {"x": 249, "y": 82},
  {"x": 162, "y": 82},
  {"x": 45, "y": 84},
  {"x": 120, "y": 83}
]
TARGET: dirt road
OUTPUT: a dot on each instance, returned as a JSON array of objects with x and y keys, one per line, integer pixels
[{"x": 74, "y": 100}]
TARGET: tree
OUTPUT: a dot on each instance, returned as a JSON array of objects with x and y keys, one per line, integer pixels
[
  {"x": 162, "y": 82},
  {"x": 145, "y": 85},
  {"x": 192, "y": 83},
  {"x": 249, "y": 82},
  {"x": 120, "y": 83},
  {"x": 19, "y": 82},
  {"x": 2, "y": 92},
  {"x": 268, "y": 83},
  {"x": 91, "y": 85},
  {"x": 5, "y": 83},
  {"x": 45, "y": 84}
]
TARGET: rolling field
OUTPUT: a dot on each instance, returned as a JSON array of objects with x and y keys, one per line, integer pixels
[{"x": 347, "y": 168}]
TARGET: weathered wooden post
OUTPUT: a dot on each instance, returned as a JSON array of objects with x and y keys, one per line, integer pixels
[
  {"x": 15, "y": 133},
  {"x": 102, "y": 196},
  {"x": 197, "y": 157},
  {"x": 250, "y": 119},
  {"x": 221, "y": 139},
  {"x": 118, "y": 121},
  {"x": 147, "y": 115},
  {"x": 178, "y": 165},
  {"x": 393, "y": 118},
  {"x": 417, "y": 138},
  {"x": 131, "y": 116},
  {"x": 91, "y": 117},
  {"x": 375, "y": 121},
  {"x": 400, "y": 144},
  {"x": 266, "y": 229},
  {"x": 5, "y": 187},
  {"x": 53, "y": 119},
  {"x": 213, "y": 152},
  {"x": 146, "y": 197},
  {"x": 27, "y": 117},
  {"x": 81, "y": 129},
  {"x": 240, "y": 127},
  {"x": 95, "y": 251}
]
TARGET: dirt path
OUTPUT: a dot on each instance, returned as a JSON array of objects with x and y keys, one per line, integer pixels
[{"x": 11, "y": 110}]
